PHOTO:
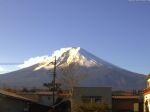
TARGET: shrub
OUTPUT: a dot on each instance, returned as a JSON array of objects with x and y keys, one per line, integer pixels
[{"x": 91, "y": 107}]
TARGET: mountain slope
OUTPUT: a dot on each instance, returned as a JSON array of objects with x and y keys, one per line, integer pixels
[{"x": 97, "y": 72}]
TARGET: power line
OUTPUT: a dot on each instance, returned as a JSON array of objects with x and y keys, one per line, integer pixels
[{"x": 10, "y": 63}]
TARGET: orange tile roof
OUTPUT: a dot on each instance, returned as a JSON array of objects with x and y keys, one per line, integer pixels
[{"x": 125, "y": 97}]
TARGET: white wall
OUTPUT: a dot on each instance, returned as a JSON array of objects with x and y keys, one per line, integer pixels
[{"x": 147, "y": 98}]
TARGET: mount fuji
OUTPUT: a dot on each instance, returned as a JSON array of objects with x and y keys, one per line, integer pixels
[{"x": 97, "y": 72}]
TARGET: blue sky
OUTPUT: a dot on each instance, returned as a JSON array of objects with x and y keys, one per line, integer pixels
[{"x": 117, "y": 31}]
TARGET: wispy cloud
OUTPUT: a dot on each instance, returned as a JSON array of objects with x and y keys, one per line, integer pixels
[
  {"x": 35, "y": 60},
  {"x": 32, "y": 61}
]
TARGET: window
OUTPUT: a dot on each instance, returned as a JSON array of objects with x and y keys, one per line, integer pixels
[{"x": 88, "y": 99}]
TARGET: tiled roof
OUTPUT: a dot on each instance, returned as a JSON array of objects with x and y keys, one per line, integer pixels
[
  {"x": 13, "y": 95},
  {"x": 125, "y": 97}
]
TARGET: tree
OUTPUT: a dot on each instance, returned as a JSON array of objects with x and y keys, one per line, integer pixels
[{"x": 70, "y": 77}]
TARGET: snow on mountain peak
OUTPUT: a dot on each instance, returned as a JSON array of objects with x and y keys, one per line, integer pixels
[
  {"x": 64, "y": 56},
  {"x": 67, "y": 56},
  {"x": 59, "y": 53}
]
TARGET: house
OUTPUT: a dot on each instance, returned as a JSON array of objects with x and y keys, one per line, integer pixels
[
  {"x": 61, "y": 104},
  {"x": 93, "y": 94},
  {"x": 147, "y": 96},
  {"x": 42, "y": 97},
  {"x": 127, "y": 103},
  {"x": 11, "y": 102}
]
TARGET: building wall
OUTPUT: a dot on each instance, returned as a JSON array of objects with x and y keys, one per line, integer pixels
[
  {"x": 43, "y": 99},
  {"x": 11, "y": 105},
  {"x": 46, "y": 100},
  {"x": 104, "y": 92},
  {"x": 147, "y": 96},
  {"x": 32, "y": 96},
  {"x": 147, "y": 102},
  {"x": 40, "y": 108},
  {"x": 148, "y": 83},
  {"x": 120, "y": 105}
]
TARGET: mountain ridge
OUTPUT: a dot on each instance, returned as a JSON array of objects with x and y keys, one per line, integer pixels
[{"x": 97, "y": 71}]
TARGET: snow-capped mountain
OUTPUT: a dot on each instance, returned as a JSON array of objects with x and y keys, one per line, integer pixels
[
  {"x": 93, "y": 70},
  {"x": 72, "y": 55}
]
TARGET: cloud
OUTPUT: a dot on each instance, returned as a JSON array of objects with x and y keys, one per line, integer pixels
[
  {"x": 38, "y": 59},
  {"x": 33, "y": 61},
  {"x": 2, "y": 69}
]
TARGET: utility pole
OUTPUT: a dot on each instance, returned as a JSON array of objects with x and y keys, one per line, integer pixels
[{"x": 54, "y": 83}]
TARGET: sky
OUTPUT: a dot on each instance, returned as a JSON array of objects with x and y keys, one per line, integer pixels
[{"x": 117, "y": 31}]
